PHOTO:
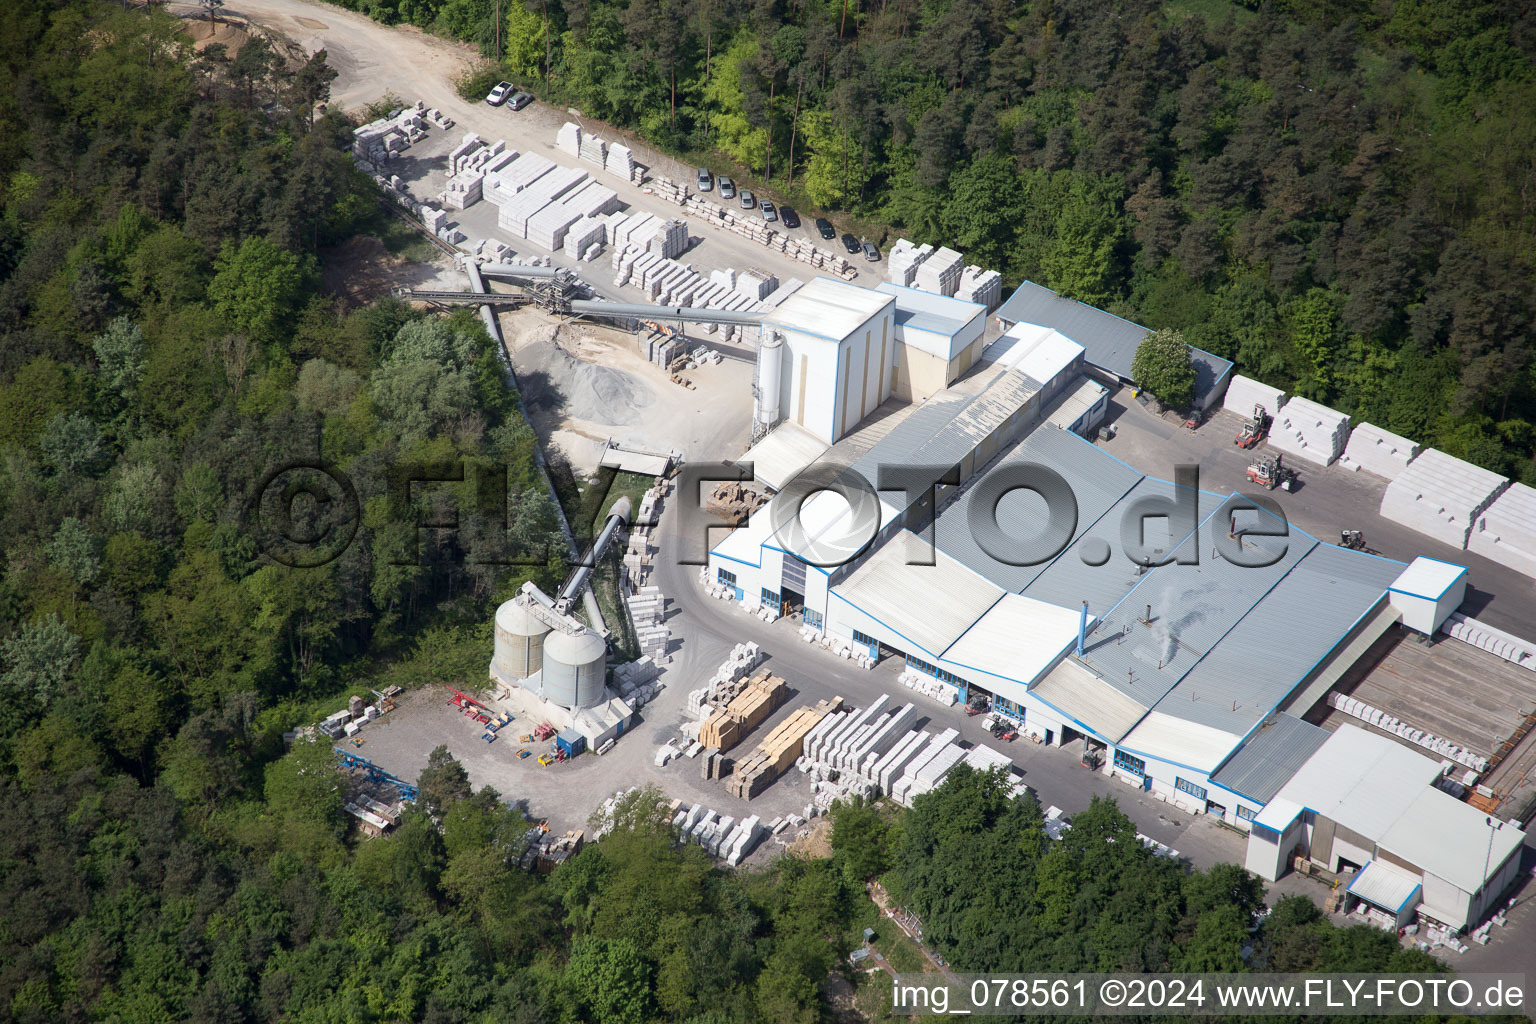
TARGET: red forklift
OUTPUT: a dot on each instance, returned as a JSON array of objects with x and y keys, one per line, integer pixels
[
  {"x": 1255, "y": 430},
  {"x": 1270, "y": 471}
]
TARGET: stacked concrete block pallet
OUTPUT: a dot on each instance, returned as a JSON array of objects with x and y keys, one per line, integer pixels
[
  {"x": 1378, "y": 451},
  {"x": 753, "y": 227},
  {"x": 1511, "y": 648},
  {"x": 840, "y": 647},
  {"x": 514, "y": 215},
  {"x": 377, "y": 141},
  {"x": 755, "y": 284},
  {"x": 584, "y": 240},
  {"x": 927, "y": 768},
  {"x": 647, "y": 610},
  {"x": 1243, "y": 393},
  {"x": 671, "y": 191},
  {"x": 1389, "y": 723},
  {"x": 593, "y": 150},
  {"x": 1441, "y": 496},
  {"x": 568, "y": 139},
  {"x": 620, "y": 161},
  {"x": 1506, "y": 531},
  {"x": 928, "y": 686},
  {"x": 902, "y": 261},
  {"x": 504, "y": 183},
  {"x": 727, "y": 680},
  {"x": 1309, "y": 431},
  {"x": 981, "y": 286},
  {"x": 940, "y": 272},
  {"x": 636, "y": 681},
  {"x": 779, "y": 749}
]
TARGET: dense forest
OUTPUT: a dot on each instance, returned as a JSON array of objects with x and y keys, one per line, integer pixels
[
  {"x": 164, "y": 218},
  {"x": 1341, "y": 197}
]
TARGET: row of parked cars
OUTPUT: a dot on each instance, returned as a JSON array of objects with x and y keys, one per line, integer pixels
[
  {"x": 783, "y": 214},
  {"x": 506, "y": 92}
]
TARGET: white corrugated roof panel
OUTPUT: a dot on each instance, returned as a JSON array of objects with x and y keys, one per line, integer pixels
[
  {"x": 786, "y": 450},
  {"x": 1071, "y": 406},
  {"x": 930, "y": 605},
  {"x": 1278, "y": 814},
  {"x": 827, "y": 308},
  {"x": 1363, "y": 781},
  {"x": 1451, "y": 839},
  {"x": 1181, "y": 741},
  {"x": 1427, "y": 578},
  {"x": 1018, "y": 638},
  {"x": 1088, "y": 700},
  {"x": 938, "y": 322},
  {"x": 1385, "y": 885},
  {"x": 1030, "y": 348}
]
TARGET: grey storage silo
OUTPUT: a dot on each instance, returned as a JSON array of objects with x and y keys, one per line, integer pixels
[
  {"x": 574, "y": 668},
  {"x": 518, "y": 651}
]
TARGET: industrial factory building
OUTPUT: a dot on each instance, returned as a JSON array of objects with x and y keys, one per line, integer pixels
[
  {"x": 1367, "y": 806},
  {"x": 1169, "y": 627},
  {"x": 1110, "y": 342}
]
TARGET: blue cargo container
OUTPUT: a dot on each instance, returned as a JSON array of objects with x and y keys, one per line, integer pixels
[{"x": 571, "y": 741}]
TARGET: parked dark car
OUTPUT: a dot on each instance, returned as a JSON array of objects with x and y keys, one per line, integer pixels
[
  {"x": 727, "y": 188},
  {"x": 748, "y": 200},
  {"x": 788, "y": 215},
  {"x": 769, "y": 213},
  {"x": 706, "y": 180},
  {"x": 851, "y": 244},
  {"x": 825, "y": 227},
  {"x": 870, "y": 252},
  {"x": 519, "y": 101}
]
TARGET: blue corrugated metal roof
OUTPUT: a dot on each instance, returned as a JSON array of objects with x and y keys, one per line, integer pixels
[
  {"x": 1097, "y": 481},
  {"x": 1193, "y": 607},
  {"x": 1269, "y": 757},
  {"x": 1070, "y": 581},
  {"x": 1109, "y": 342},
  {"x": 1280, "y": 641}
]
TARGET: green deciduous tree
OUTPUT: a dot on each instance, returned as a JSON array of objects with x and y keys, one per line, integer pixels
[
  {"x": 1162, "y": 365},
  {"x": 257, "y": 287}
]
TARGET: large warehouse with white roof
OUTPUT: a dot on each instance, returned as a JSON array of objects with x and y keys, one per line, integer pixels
[{"x": 1140, "y": 633}]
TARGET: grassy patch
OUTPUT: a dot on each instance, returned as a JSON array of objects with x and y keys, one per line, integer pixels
[{"x": 399, "y": 237}]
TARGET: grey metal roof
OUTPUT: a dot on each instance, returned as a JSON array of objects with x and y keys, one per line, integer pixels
[
  {"x": 1193, "y": 607},
  {"x": 1070, "y": 581},
  {"x": 1109, "y": 342},
  {"x": 1271, "y": 755},
  {"x": 949, "y": 426},
  {"x": 1279, "y": 642},
  {"x": 918, "y": 320},
  {"x": 1097, "y": 480}
]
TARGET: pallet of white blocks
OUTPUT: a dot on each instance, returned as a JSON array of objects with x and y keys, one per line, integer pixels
[
  {"x": 568, "y": 139},
  {"x": 1243, "y": 393},
  {"x": 671, "y": 191},
  {"x": 592, "y": 149},
  {"x": 1441, "y": 496},
  {"x": 620, "y": 161},
  {"x": 505, "y": 182},
  {"x": 929, "y": 686},
  {"x": 981, "y": 286},
  {"x": 940, "y": 272},
  {"x": 584, "y": 240},
  {"x": 1511, "y": 648},
  {"x": 1506, "y": 531},
  {"x": 727, "y": 680},
  {"x": 1309, "y": 431},
  {"x": 902, "y": 261},
  {"x": 1377, "y": 451},
  {"x": 927, "y": 767}
]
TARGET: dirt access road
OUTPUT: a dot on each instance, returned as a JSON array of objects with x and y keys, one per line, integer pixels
[{"x": 374, "y": 60}]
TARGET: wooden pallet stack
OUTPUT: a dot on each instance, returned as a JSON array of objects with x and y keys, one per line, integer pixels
[
  {"x": 779, "y": 749},
  {"x": 728, "y": 726}
]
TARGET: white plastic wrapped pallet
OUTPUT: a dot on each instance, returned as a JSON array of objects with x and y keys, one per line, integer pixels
[
  {"x": 1441, "y": 496},
  {"x": 1243, "y": 393},
  {"x": 1378, "y": 451},
  {"x": 1506, "y": 530}
]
